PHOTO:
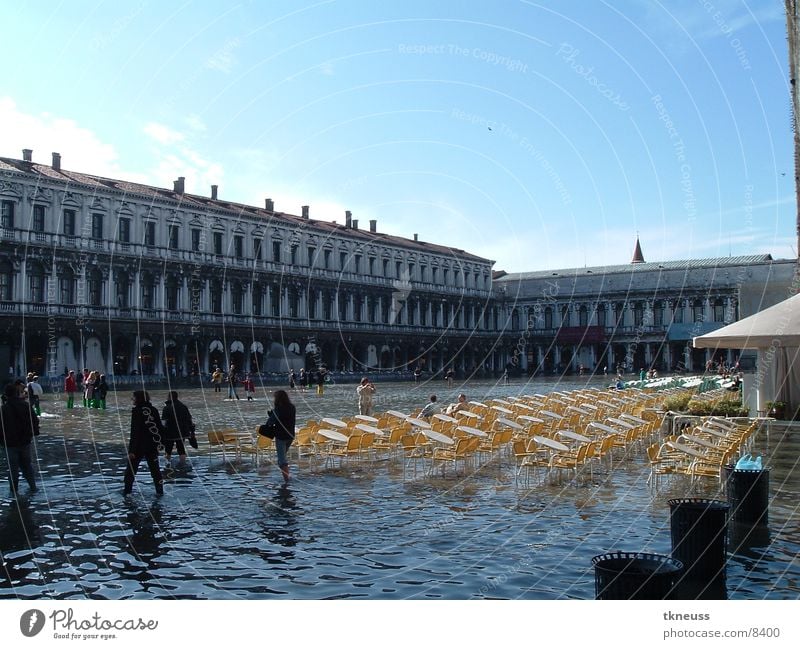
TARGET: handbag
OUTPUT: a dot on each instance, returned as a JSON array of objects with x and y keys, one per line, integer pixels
[{"x": 269, "y": 429}]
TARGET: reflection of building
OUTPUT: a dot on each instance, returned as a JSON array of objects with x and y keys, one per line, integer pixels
[
  {"x": 637, "y": 315},
  {"x": 124, "y": 277}
]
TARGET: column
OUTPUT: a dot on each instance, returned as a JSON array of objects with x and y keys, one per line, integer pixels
[
  {"x": 648, "y": 355},
  {"x": 161, "y": 298}
]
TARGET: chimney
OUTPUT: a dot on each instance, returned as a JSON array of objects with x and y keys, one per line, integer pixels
[
  {"x": 304, "y": 208},
  {"x": 214, "y": 192},
  {"x": 56, "y": 161},
  {"x": 416, "y": 237},
  {"x": 269, "y": 204},
  {"x": 355, "y": 224},
  {"x": 373, "y": 225},
  {"x": 348, "y": 219},
  {"x": 27, "y": 155},
  {"x": 180, "y": 184}
]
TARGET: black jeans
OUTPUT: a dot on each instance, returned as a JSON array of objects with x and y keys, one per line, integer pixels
[
  {"x": 19, "y": 459},
  {"x": 155, "y": 471},
  {"x": 178, "y": 443}
]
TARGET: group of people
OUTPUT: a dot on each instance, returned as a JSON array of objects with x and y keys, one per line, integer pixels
[
  {"x": 305, "y": 379},
  {"x": 249, "y": 386},
  {"x": 433, "y": 408},
  {"x": 92, "y": 383},
  {"x": 151, "y": 433}
]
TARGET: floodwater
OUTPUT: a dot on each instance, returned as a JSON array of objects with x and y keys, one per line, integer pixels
[{"x": 230, "y": 530}]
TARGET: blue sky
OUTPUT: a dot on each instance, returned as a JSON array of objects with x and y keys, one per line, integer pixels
[{"x": 537, "y": 134}]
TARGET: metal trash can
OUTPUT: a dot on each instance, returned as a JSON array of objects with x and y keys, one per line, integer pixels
[
  {"x": 635, "y": 575},
  {"x": 699, "y": 531},
  {"x": 748, "y": 496}
]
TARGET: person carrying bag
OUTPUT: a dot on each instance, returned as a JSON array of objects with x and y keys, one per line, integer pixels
[{"x": 280, "y": 427}]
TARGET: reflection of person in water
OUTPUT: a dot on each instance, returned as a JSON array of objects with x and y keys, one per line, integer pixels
[
  {"x": 146, "y": 534},
  {"x": 18, "y": 531},
  {"x": 279, "y": 521}
]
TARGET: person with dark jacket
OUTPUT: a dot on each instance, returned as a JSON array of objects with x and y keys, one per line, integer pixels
[
  {"x": 147, "y": 439},
  {"x": 101, "y": 391},
  {"x": 179, "y": 426},
  {"x": 282, "y": 418},
  {"x": 18, "y": 426}
]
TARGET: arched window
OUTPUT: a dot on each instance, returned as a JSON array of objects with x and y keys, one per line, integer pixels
[
  {"x": 237, "y": 298},
  {"x": 515, "y": 320},
  {"x": 172, "y": 288},
  {"x": 548, "y": 318},
  {"x": 697, "y": 310},
  {"x": 148, "y": 291},
  {"x": 583, "y": 316},
  {"x": 123, "y": 291},
  {"x": 216, "y": 296},
  {"x": 6, "y": 281},
  {"x": 601, "y": 315},
  {"x": 258, "y": 299},
  {"x": 565, "y": 315},
  {"x": 719, "y": 310},
  {"x": 95, "y": 288},
  {"x": 66, "y": 286},
  {"x": 36, "y": 284}
]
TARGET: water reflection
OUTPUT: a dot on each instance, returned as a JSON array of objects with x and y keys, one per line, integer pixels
[{"x": 225, "y": 529}]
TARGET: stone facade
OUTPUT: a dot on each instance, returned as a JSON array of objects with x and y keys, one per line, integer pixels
[
  {"x": 637, "y": 315},
  {"x": 128, "y": 278},
  {"x": 133, "y": 279}
]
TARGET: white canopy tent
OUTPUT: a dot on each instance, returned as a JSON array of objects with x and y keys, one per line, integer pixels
[{"x": 775, "y": 334}]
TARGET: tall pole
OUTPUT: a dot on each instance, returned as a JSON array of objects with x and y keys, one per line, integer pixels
[{"x": 793, "y": 38}]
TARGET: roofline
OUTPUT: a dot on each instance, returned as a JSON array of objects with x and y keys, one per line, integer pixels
[{"x": 171, "y": 197}]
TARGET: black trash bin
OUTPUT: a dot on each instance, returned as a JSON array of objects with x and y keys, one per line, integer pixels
[
  {"x": 635, "y": 575},
  {"x": 748, "y": 496},
  {"x": 699, "y": 531}
]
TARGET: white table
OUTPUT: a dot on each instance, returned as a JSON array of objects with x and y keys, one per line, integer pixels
[
  {"x": 569, "y": 434},
  {"x": 509, "y": 423},
  {"x": 470, "y": 414},
  {"x": 604, "y": 428},
  {"x": 367, "y": 418},
  {"x": 579, "y": 410},
  {"x": 505, "y": 411},
  {"x": 438, "y": 437},
  {"x": 524, "y": 406},
  {"x": 631, "y": 418},
  {"x": 621, "y": 422},
  {"x": 472, "y": 431},
  {"x": 533, "y": 420},
  {"x": 552, "y": 415},
  {"x": 419, "y": 423},
  {"x": 334, "y": 435},
  {"x": 688, "y": 450},
  {"x": 397, "y": 413},
  {"x": 338, "y": 423},
  {"x": 501, "y": 402},
  {"x": 447, "y": 418},
  {"x": 370, "y": 429},
  {"x": 550, "y": 443},
  {"x": 700, "y": 441},
  {"x": 478, "y": 403}
]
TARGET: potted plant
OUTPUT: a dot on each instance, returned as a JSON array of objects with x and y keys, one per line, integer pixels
[{"x": 776, "y": 409}]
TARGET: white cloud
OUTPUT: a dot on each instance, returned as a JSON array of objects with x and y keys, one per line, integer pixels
[
  {"x": 80, "y": 148},
  {"x": 327, "y": 69},
  {"x": 162, "y": 134},
  {"x": 196, "y": 123}
]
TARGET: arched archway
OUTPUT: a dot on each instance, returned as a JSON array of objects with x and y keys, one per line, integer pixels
[{"x": 216, "y": 355}]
